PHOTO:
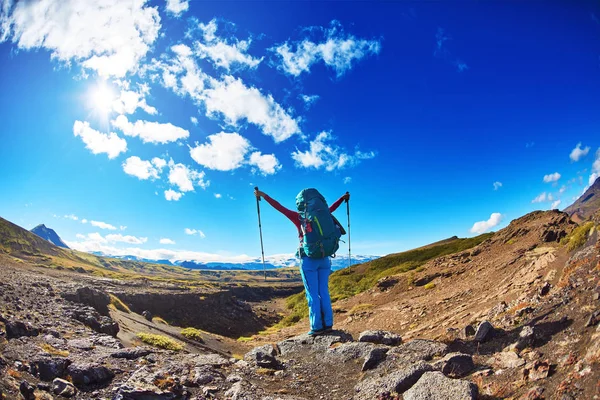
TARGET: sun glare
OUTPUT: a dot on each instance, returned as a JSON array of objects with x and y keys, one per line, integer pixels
[{"x": 101, "y": 99}]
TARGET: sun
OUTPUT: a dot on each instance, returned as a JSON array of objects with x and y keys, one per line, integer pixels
[{"x": 101, "y": 98}]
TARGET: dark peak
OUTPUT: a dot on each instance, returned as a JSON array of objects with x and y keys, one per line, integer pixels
[{"x": 41, "y": 226}]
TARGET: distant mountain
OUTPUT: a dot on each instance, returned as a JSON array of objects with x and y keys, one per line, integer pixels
[
  {"x": 50, "y": 235},
  {"x": 586, "y": 205},
  {"x": 271, "y": 262}
]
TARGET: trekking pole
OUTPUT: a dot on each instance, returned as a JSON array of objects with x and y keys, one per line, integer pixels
[
  {"x": 262, "y": 250},
  {"x": 348, "y": 212}
]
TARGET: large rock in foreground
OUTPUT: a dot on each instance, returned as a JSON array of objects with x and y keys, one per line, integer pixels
[{"x": 435, "y": 386}]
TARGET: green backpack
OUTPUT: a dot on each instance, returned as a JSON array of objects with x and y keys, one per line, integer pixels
[{"x": 321, "y": 232}]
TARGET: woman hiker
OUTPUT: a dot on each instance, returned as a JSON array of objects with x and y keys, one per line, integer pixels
[{"x": 315, "y": 271}]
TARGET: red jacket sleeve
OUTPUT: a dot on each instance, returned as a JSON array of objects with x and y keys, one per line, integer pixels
[
  {"x": 337, "y": 203},
  {"x": 292, "y": 215}
]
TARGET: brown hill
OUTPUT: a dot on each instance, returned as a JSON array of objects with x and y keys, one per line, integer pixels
[{"x": 586, "y": 205}]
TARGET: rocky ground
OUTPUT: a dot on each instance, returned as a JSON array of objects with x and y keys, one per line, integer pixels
[{"x": 517, "y": 317}]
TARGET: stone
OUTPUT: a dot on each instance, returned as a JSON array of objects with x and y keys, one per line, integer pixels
[
  {"x": 416, "y": 350},
  {"x": 545, "y": 289},
  {"x": 81, "y": 344},
  {"x": 455, "y": 365},
  {"x": 27, "y": 390},
  {"x": 535, "y": 393},
  {"x": 63, "y": 388},
  {"x": 526, "y": 338},
  {"x": 380, "y": 337},
  {"x": 91, "y": 318},
  {"x": 349, "y": 351},
  {"x": 202, "y": 376},
  {"x": 48, "y": 368},
  {"x": 131, "y": 354},
  {"x": 506, "y": 359},
  {"x": 17, "y": 329},
  {"x": 148, "y": 315},
  {"x": 536, "y": 371},
  {"x": 374, "y": 357},
  {"x": 263, "y": 356},
  {"x": 593, "y": 319},
  {"x": 434, "y": 385},
  {"x": 485, "y": 331},
  {"x": 468, "y": 331},
  {"x": 397, "y": 381},
  {"x": 89, "y": 374},
  {"x": 313, "y": 343}
]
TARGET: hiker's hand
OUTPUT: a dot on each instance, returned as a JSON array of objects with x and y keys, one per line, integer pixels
[
  {"x": 346, "y": 197},
  {"x": 259, "y": 194}
]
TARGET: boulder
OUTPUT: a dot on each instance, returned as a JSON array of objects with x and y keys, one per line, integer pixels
[
  {"x": 436, "y": 386},
  {"x": 313, "y": 343},
  {"x": 416, "y": 350},
  {"x": 374, "y": 357},
  {"x": 17, "y": 329},
  {"x": 89, "y": 374},
  {"x": 48, "y": 368},
  {"x": 349, "y": 351},
  {"x": 506, "y": 359},
  {"x": 201, "y": 376},
  {"x": 485, "y": 331},
  {"x": 63, "y": 388},
  {"x": 91, "y": 318},
  {"x": 263, "y": 356},
  {"x": 526, "y": 338},
  {"x": 140, "y": 386},
  {"x": 397, "y": 381},
  {"x": 380, "y": 337},
  {"x": 455, "y": 365}
]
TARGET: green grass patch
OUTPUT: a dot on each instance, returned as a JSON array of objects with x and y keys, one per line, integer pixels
[
  {"x": 54, "y": 351},
  {"x": 244, "y": 339},
  {"x": 430, "y": 285},
  {"x": 160, "y": 341},
  {"x": 193, "y": 334},
  {"x": 118, "y": 304},
  {"x": 361, "y": 307},
  {"x": 578, "y": 236}
]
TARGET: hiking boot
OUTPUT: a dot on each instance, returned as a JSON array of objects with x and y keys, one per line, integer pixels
[
  {"x": 317, "y": 332},
  {"x": 328, "y": 329}
]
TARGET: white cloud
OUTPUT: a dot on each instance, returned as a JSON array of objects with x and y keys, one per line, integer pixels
[
  {"x": 347, "y": 180},
  {"x": 177, "y": 7},
  {"x": 185, "y": 178},
  {"x": 103, "y": 225},
  {"x": 150, "y": 132},
  {"x": 194, "y": 120},
  {"x": 194, "y": 232},
  {"x": 166, "y": 241},
  {"x": 98, "y": 142},
  {"x": 267, "y": 164},
  {"x": 144, "y": 169},
  {"x": 108, "y": 36},
  {"x": 328, "y": 156},
  {"x": 335, "y": 49},
  {"x": 172, "y": 195},
  {"x": 484, "y": 226},
  {"x": 84, "y": 221},
  {"x": 232, "y": 99},
  {"x": 223, "y": 152},
  {"x": 497, "y": 185},
  {"x": 541, "y": 198},
  {"x": 114, "y": 238},
  {"x": 122, "y": 227},
  {"x": 551, "y": 177},
  {"x": 218, "y": 195},
  {"x": 129, "y": 101},
  {"x": 309, "y": 100},
  {"x": 555, "y": 205},
  {"x": 578, "y": 153},
  {"x": 562, "y": 189},
  {"x": 71, "y": 216},
  {"x": 221, "y": 52}
]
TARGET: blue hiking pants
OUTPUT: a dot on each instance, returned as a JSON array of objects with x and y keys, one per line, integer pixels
[{"x": 315, "y": 275}]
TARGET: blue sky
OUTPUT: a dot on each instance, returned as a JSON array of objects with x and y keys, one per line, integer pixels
[{"x": 142, "y": 127}]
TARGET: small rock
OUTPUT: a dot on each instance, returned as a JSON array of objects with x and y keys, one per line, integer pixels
[
  {"x": 380, "y": 337},
  {"x": 483, "y": 372},
  {"x": 263, "y": 356},
  {"x": 88, "y": 374},
  {"x": 468, "y": 331},
  {"x": 27, "y": 390},
  {"x": 537, "y": 371},
  {"x": 526, "y": 338},
  {"x": 44, "y": 386},
  {"x": 17, "y": 329},
  {"x": 545, "y": 289},
  {"x": 535, "y": 393},
  {"x": 596, "y": 296},
  {"x": 506, "y": 359},
  {"x": 398, "y": 381},
  {"x": 434, "y": 385},
  {"x": 148, "y": 315},
  {"x": 485, "y": 331},
  {"x": 49, "y": 368},
  {"x": 131, "y": 354},
  {"x": 455, "y": 365},
  {"x": 593, "y": 319},
  {"x": 63, "y": 388},
  {"x": 374, "y": 357}
]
